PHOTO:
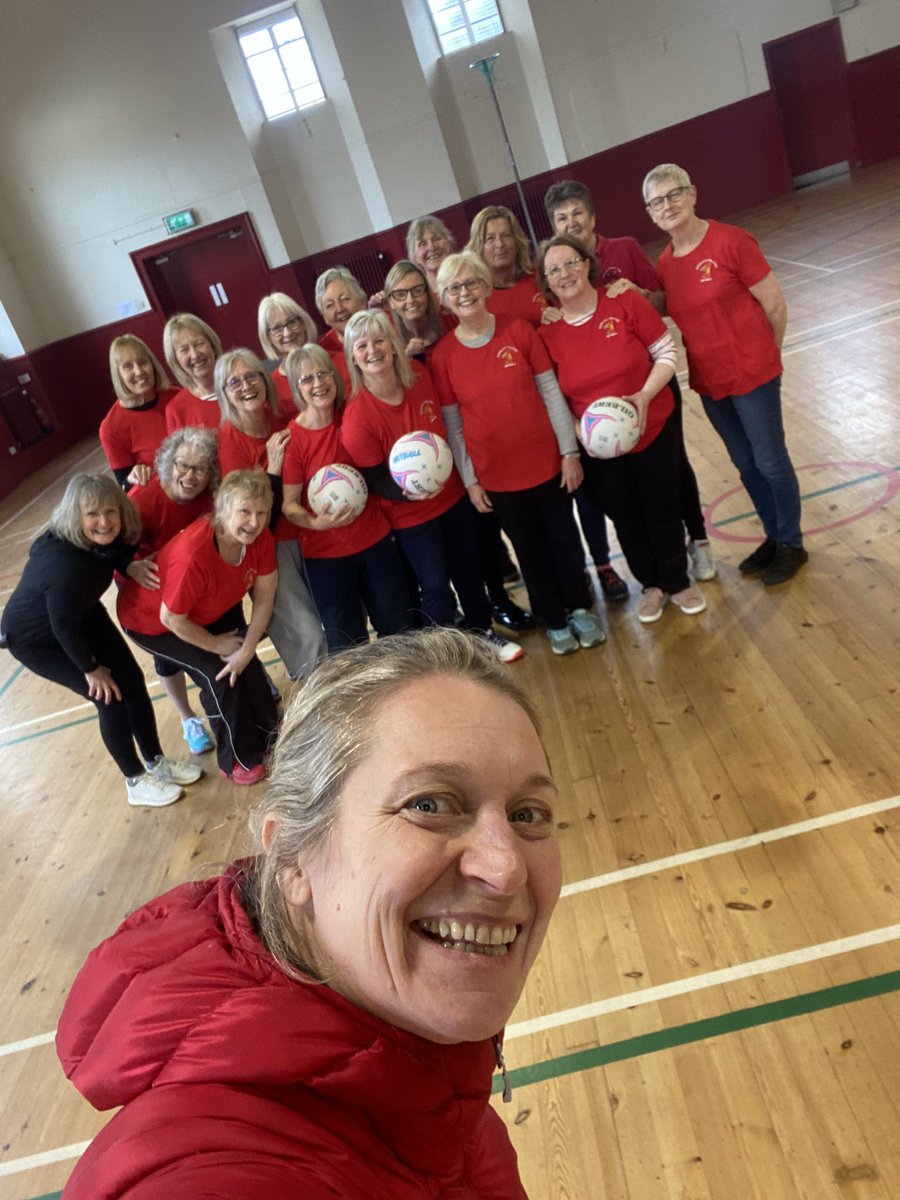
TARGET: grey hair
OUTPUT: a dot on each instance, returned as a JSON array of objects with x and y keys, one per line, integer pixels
[
  {"x": 664, "y": 171},
  {"x": 455, "y": 264},
  {"x": 90, "y": 491},
  {"x": 321, "y": 361},
  {"x": 129, "y": 344},
  {"x": 283, "y": 301},
  {"x": 338, "y": 275},
  {"x": 325, "y": 734},
  {"x": 224, "y": 367},
  {"x": 422, "y": 225},
  {"x": 204, "y": 442},
  {"x": 562, "y": 192},
  {"x": 192, "y": 324},
  {"x": 252, "y": 484},
  {"x": 364, "y": 324}
]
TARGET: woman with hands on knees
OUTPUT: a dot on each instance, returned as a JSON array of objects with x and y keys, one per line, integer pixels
[
  {"x": 196, "y": 619},
  {"x": 514, "y": 446},
  {"x": 254, "y": 434},
  {"x": 55, "y": 624},
  {"x": 134, "y": 427},
  {"x": 323, "y": 1019},
  {"x": 352, "y": 561},
  {"x": 619, "y": 346}
]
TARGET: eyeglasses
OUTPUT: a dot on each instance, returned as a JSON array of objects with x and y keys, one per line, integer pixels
[
  {"x": 417, "y": 291},
  {"x": 464, "y": 285},
  {"x": 569, "y": 265},
  {"x": 287, "y": 326},
  {"x": 318, "y": 377},
  {"x": 236, "y": 382},
  {"x": 184, "y": 468},
  {"x": 659, "y": 202}
]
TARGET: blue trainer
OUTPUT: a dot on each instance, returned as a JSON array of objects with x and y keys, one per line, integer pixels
[{"x": 198, "y": 740}]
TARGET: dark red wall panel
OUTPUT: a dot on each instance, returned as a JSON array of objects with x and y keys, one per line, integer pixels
[{"x": 874, "y": 85}]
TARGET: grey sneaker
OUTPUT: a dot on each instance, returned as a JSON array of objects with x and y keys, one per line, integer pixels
[
  {"x": 146, "y": 791},
  {"x": 586, "y": 628},
  {"x": 702, "y": 563},
  {"x": 562, "y": 641},
  {"x": 168, "y": 770}
]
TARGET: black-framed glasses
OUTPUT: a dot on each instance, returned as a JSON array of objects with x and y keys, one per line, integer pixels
[
  {"x": 417, "y": 291},
  {"x": 464, "y": 285},
  {"x": 184, "y": 468},
  {"x": 236, "y": 382},
  {"x": 281, "y": 327},
  {"x": 659, "y": 202},
  {"x": 318, "y": 377},
  {"x": 569, "y": 265}
]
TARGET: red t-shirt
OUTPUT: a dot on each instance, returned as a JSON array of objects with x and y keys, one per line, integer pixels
[
  {"x": 307, "y": 452},
  {"x": 187, "y": 409},
  {"x": 607, "y": 356},
  {"x": 195, "y": 580},
  {"x": 729, "y": 342},
  {"x": 623, "y": 258},
  {"x": 283, "y": 391},
  {"x": 524, "y": 301},
  {"x": 331, "y": 342},
  {"x": 133, "y": 435},
  {"x": 371, "y": 427},
  {"x": 162, "y": 517},
  {"x": 240, "y": 451},
  {"x": 507, "y": 430}
]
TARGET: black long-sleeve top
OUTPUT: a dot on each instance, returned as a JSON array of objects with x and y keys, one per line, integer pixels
[{"x": 60, "y": 586}]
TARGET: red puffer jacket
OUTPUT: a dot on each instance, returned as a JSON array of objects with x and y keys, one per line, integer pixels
[{"x": 241, "y": 1084}]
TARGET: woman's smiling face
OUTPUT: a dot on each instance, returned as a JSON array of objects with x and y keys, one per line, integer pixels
[{"x": 428, "y": 900}]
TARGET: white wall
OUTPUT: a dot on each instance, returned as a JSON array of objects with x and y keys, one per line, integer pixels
[{"x": 116, "y": 114}]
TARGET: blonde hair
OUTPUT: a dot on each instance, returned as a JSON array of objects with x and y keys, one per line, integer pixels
[
  {"x": 283, "y": 301},
  {"x": 365, "y": 324},
  {"x": 224, "y": 367},
  {"x": 406, "y": 267},
  {"x": 91, "y": 491},
  {"x": 478, "y": 233},
  {"x": 192, "y": 324},
  {"x": 321, "y": 361},
  {"x": 129, "y": 344},
  {"x": 455, "y": 264},
  {"x": 240, "y": 485}
]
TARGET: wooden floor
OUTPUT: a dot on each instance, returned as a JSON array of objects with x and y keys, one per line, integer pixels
[{"x": 715, "y": 1015}]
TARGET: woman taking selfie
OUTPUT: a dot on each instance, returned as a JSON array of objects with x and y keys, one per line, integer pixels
[{"x": 323, "y": 1020}]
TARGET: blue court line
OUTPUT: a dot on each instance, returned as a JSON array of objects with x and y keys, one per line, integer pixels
[{"x": 12, "y": 679}]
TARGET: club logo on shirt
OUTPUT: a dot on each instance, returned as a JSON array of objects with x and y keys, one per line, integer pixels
[
  {"x": 610, "y": 275},
  {"x": 539, "y": 299},
  {"x": 609, "y": 326},
  {"x": 508, "y": 355},
  {"x": 428, "y": 411},
  {"x": 705, "y": 267},
  {"x": 250, "y": 577}
]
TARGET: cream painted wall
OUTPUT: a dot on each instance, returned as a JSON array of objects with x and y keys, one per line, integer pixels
[{"x": 116, "y": 114}]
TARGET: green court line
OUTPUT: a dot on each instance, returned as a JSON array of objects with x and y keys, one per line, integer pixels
[
  {"x": 698, "y": 1031},
  {"x": 12, "y": 679},
  {"x": 825, "y": 491}
]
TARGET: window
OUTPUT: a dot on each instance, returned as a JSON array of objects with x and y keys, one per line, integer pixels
[
  {"x": 461, "y": 23},
  {"x": 280, "y": 63}
]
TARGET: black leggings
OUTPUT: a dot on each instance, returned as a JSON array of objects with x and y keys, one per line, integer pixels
[{"x": 122, "y": 722}]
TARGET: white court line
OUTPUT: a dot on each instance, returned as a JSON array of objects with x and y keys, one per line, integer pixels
[
  {"x": 793, "y": 263},
  {"x": 680, "y": 987},
  {"x": 44, "y": 1159},
  {"x": 837, "y": 336},
  {"x": 718, "y": 848},
  {"x": 42, "y": 1039},
  {"x": 49, "y": 487},
  {"x": 856, "y": 253},
  {"x": 866, "y": 312},
  {"x": 23, "y": 533}
]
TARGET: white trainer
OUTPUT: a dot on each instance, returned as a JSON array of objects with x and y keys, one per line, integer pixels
[
  {"x": 702, "y": 562},
  {"x": 504, "y": 649},
  {"x": 146, "y": 791},
  {"x": 169, "y": 770}
]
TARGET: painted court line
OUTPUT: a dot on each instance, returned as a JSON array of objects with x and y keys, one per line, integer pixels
[
  {"x": 681, "y": 987},
  {"x": 44, "y": 1159},
  {"x": 836, "y": 336},
  {"x": 41, "y": 1039},
  {"x": 730, "y": 847},
  {"x": 793, "y": 263},
  {"x": 699, "y": 1031}
]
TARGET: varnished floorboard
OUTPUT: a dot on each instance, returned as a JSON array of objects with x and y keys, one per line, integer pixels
[{"x": 772, "y": 708}]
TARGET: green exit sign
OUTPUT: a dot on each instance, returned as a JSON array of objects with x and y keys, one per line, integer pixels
[{"x": 179, "y": 221}]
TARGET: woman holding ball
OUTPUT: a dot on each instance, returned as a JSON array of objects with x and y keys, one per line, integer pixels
[
  {"x": 352, "y": 561},
  {"x": 393, "y": 396},
  {"x": 621, "y": 347}
]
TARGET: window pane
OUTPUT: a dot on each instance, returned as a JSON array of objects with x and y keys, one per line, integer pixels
[
  {"x": 287, "y": 31},
  {"x": 255, "y": 43},
  {"x": 311, "y": 94},
  {"x": 486, "y": 29},
  {"x": 298, "y": 64},
  {"x": 482, "y": 10},
  {"x": 455, "y": 41},
  {"x": 448, "y": 20}
]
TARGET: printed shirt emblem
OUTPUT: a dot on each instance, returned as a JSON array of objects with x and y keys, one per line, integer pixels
[
  {"x": 508, "y": 355},
  {"x": 610, "y": 326},
  {"x": 705, "y": 267}
]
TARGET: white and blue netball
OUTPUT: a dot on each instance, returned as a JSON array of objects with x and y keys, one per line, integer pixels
[
  {"x": 334, "y": 486},
  {"x": 610, "y": 427},
  {"x": 420, "y": 463}
]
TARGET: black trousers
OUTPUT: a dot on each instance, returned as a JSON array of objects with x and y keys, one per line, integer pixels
[
  {"x": 493, "y": 556},
  {"x": 641, "y": 494},
  {"x": 244, "y": 717},
  {"x": 442, "y": 552},
  {"x": 541, "y": 526},
  {"x": 122, "y": 722}
]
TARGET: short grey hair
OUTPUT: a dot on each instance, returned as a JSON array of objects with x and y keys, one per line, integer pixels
[
  {"x": 338, "y": 275},
  {"x": 663, "y": 172},
  {"x": 224, "y": 367},
  {"x": 364, "y": 324},
  {"x": 187, "y": 321},
  {"x": 91, "y": 491},
  {"x": 325, "y": 734},
  {"x": 287, "y": 305},
  {"x": 204, "y": 442}
]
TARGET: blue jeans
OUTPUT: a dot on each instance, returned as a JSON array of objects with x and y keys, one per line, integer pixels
[
  {"x": 348, "y": 587},
  {"x": 442, "y": 552},
  {"x": 753, "y": 432}
]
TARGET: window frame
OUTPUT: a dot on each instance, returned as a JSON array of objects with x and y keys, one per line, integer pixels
[
  {"x": 267, "y": 22},
  {"x": 467, "y": 25}
]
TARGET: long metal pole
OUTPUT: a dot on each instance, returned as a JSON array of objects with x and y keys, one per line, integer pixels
[{"x": 486, "y": 67}]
